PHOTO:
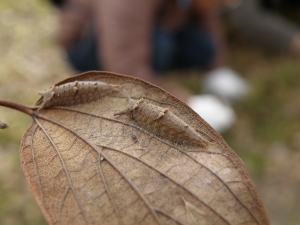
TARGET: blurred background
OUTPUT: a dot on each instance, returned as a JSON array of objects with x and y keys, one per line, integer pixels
[{"x": 265, "y": 133}]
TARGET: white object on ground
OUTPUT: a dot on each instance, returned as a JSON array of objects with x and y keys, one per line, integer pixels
[
  {"x": 226, "y": 84},
  {"x": 216, "y": 113}
]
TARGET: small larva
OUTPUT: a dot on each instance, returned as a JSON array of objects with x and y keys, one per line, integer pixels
[
  {"x": 3, "y": 125},
  {"x": 76, "y": 92},
  {"x": 162, "y": 123}
]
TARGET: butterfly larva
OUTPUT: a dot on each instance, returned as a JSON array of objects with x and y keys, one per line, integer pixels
[
  {"x": 76, "y": 92},
  {"x": 3, "y": 125},
  {"x": 162, "y": 123}
]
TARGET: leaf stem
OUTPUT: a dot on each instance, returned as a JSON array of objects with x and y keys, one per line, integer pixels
[{"x": 29, "y": 110}]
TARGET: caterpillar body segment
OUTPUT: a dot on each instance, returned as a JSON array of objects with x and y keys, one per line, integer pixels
[
  {"x": 76, "y": 92},
  {"x": 162, "y": 122}
]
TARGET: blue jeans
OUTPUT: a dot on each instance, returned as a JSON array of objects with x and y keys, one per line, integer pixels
[{"x": 190, "y": 47}]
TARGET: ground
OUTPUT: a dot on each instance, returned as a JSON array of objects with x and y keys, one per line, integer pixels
[{"x": 266, "y": 134}]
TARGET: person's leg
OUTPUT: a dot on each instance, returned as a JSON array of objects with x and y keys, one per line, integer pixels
[
  {"x": 196, "y": 48},
  {"x": 163, "y": 52},
  {"x": 83, "y": 55}
]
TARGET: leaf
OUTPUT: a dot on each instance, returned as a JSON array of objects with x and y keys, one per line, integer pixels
[{"x": 132, "y": 155}]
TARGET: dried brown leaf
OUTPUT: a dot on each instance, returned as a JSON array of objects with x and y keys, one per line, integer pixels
[{"x": 117, "y": 159}]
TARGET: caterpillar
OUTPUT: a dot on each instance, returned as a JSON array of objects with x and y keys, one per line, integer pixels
[
  {"x": 76, "y": 92},
  {"x": 3, "y": 125},
  {"x": 162, "y": 123}
]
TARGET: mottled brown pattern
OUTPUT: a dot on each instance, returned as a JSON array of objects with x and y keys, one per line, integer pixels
[
  {"x": 76, "y": 92},
  {"x": 162, "y": 123}
]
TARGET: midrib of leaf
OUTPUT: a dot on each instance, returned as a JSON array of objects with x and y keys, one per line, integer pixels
[
  {"x": 151, "y": 209},
  {"x": 146, "y": 132},
  {"x": 183, "y": 152}
]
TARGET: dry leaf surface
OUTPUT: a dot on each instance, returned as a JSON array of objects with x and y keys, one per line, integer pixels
[{"x": 118, "y": 159}]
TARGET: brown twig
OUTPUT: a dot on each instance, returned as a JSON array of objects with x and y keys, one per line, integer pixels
[{"x": 20, "y": 107}]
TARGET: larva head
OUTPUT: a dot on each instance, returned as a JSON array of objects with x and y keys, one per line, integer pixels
[
  {"x": 47, "y": 95},
  {"x": 114, "y": 88},
  {"x": 132, "y": 105},
  {"x": 108, "y": 88}
]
